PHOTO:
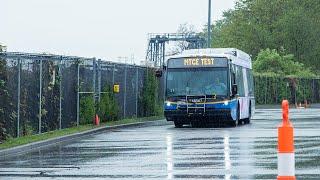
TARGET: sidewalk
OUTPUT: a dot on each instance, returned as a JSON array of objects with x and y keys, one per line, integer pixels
[{"x": 66, "y": 138}]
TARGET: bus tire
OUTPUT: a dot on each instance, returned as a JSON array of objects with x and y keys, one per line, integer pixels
[
  {"x": 247, "y": 120},
  {"x": 238, "y": 121},
  {"x": 178, "y": 124},
  {"x": 234, "y": 123},
  {"x": 195, "y": 124}
]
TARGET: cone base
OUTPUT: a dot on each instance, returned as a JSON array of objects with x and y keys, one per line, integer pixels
[{"x": 286, "y": 178}]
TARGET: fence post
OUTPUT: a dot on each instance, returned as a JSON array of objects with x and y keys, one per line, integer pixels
[
  {"x": 287, "y": 85},
  {"x": 276, "y": 81},
  {"x": 295, "y": 93},
  {"x": 99, "y": 80},
  {"x": 303, "y": 82},
  {"x": 137, "y": 87},
  {"x": 265, "y": 90},
  {"x": 78, "y": 90},
  {"x": 313, "y": 92},
  {"x": 94, "y": 80},
  {"x": 19, "y": 92},
  {"x": 40, "y": 96},
  {"x": 164, "y": 86},
  {"x": 125, "y": 91},
  {"x": 60, "y": 94},
  {"x": 114, "y": 67},
  {"x": 256, "y": 89}
]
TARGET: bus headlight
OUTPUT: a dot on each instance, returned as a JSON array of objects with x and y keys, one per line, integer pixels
[
  {"x": 226, "y": 103},
  {"x": 168, "y": 104}
]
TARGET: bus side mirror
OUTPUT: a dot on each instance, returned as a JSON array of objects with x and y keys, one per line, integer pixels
[
  {"x": 234, "y": 89},
  {"x": 158, "y": 73},
  {"x": 164, "y": 67}
]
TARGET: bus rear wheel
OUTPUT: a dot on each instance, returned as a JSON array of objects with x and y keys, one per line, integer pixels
[{"x": 247, "y": 120}]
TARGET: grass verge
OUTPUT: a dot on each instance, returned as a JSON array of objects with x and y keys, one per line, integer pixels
[{"x": 13, "y": 142}]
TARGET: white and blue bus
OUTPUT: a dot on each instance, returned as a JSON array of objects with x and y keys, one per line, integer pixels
[{"x": 208, "y": 86}]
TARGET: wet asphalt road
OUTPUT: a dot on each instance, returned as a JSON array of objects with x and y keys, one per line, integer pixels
[{"x": 160, "y": 151}]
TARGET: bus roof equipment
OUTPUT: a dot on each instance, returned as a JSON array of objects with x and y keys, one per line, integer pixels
[{"x": 237, "y": 56}]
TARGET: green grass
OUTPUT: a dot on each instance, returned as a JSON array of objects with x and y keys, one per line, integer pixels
[{"x": 13, "y": 142}]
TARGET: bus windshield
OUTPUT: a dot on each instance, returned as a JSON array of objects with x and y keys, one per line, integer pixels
[{"x": 197, "y": 81}]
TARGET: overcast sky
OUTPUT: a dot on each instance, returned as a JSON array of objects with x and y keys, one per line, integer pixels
[{"x": 105, "y": 29}]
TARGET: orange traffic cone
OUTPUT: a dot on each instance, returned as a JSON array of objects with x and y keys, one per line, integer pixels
[
  {"x": 97, "y": 120},
  {"x": 286, "y": 163}
]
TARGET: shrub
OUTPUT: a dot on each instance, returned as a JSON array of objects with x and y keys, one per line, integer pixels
[
  {"x": 108, "y": 107},
  {"x": 87, "y": 109},
  {"x": 150, "y": 97},
  {"x": 3, "y": 100},
  {"x": 278, "y": 76}
]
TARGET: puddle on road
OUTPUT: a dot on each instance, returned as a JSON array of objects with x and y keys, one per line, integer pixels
[{"x": 164, "y": 152}]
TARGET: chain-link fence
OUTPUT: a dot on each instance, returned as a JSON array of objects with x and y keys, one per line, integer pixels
[
  {"x": 272, "y": 90},
  {"x": 40, "y": 93}
]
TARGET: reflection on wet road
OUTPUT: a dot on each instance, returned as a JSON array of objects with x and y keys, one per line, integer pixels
[{"x": 160, "y": 151}]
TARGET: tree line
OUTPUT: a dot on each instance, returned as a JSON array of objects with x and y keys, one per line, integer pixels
[{"x": 288, "y": 30}]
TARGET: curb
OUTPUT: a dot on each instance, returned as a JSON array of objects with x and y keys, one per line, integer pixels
[{"x": 67, "y": 138}]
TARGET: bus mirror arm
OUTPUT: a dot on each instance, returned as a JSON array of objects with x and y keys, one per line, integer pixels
[
  {"x": 234, "y": 89},
  {"x": 164, "y": 67},
  {"x": 158, "y": 73}
]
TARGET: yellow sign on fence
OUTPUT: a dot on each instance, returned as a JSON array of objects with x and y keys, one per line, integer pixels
[{"x": 116, "y": 88}]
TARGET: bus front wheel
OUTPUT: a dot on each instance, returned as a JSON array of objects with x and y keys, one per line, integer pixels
[
  {"x": 238, "y": 120},
  {"x": 178, "y": 124}
]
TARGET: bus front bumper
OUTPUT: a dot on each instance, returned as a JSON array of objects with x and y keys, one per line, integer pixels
[{"x": 196, "y": 115}]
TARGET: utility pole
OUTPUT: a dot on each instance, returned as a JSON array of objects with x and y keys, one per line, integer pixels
[{"x": 209, "y": 24}]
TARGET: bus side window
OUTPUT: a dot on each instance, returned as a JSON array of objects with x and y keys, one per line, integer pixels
[
  {"x": 239, "y": 80},
  {"x": 250, "y": 80},
  {"x": 233, "y": 75},
  {"x": 233, "y": 78}
]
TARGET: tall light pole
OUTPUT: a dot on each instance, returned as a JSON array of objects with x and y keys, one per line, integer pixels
[{"x": 209, "y": 25}]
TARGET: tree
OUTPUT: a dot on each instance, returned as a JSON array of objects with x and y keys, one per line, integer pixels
[
  {"x": 4, "y": 100},
  {"x": 187, "y": 29},
  {"x": 3, "y": 97},
  {"x": 271, "y": 62},
  {"x": 254, "y": 25},
  {"x": 2, "y": 48}
]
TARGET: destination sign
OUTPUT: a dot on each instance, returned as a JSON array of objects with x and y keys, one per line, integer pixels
[
  {"x": 198, "y": 62},
  {"x": 191, "y": 62}
]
